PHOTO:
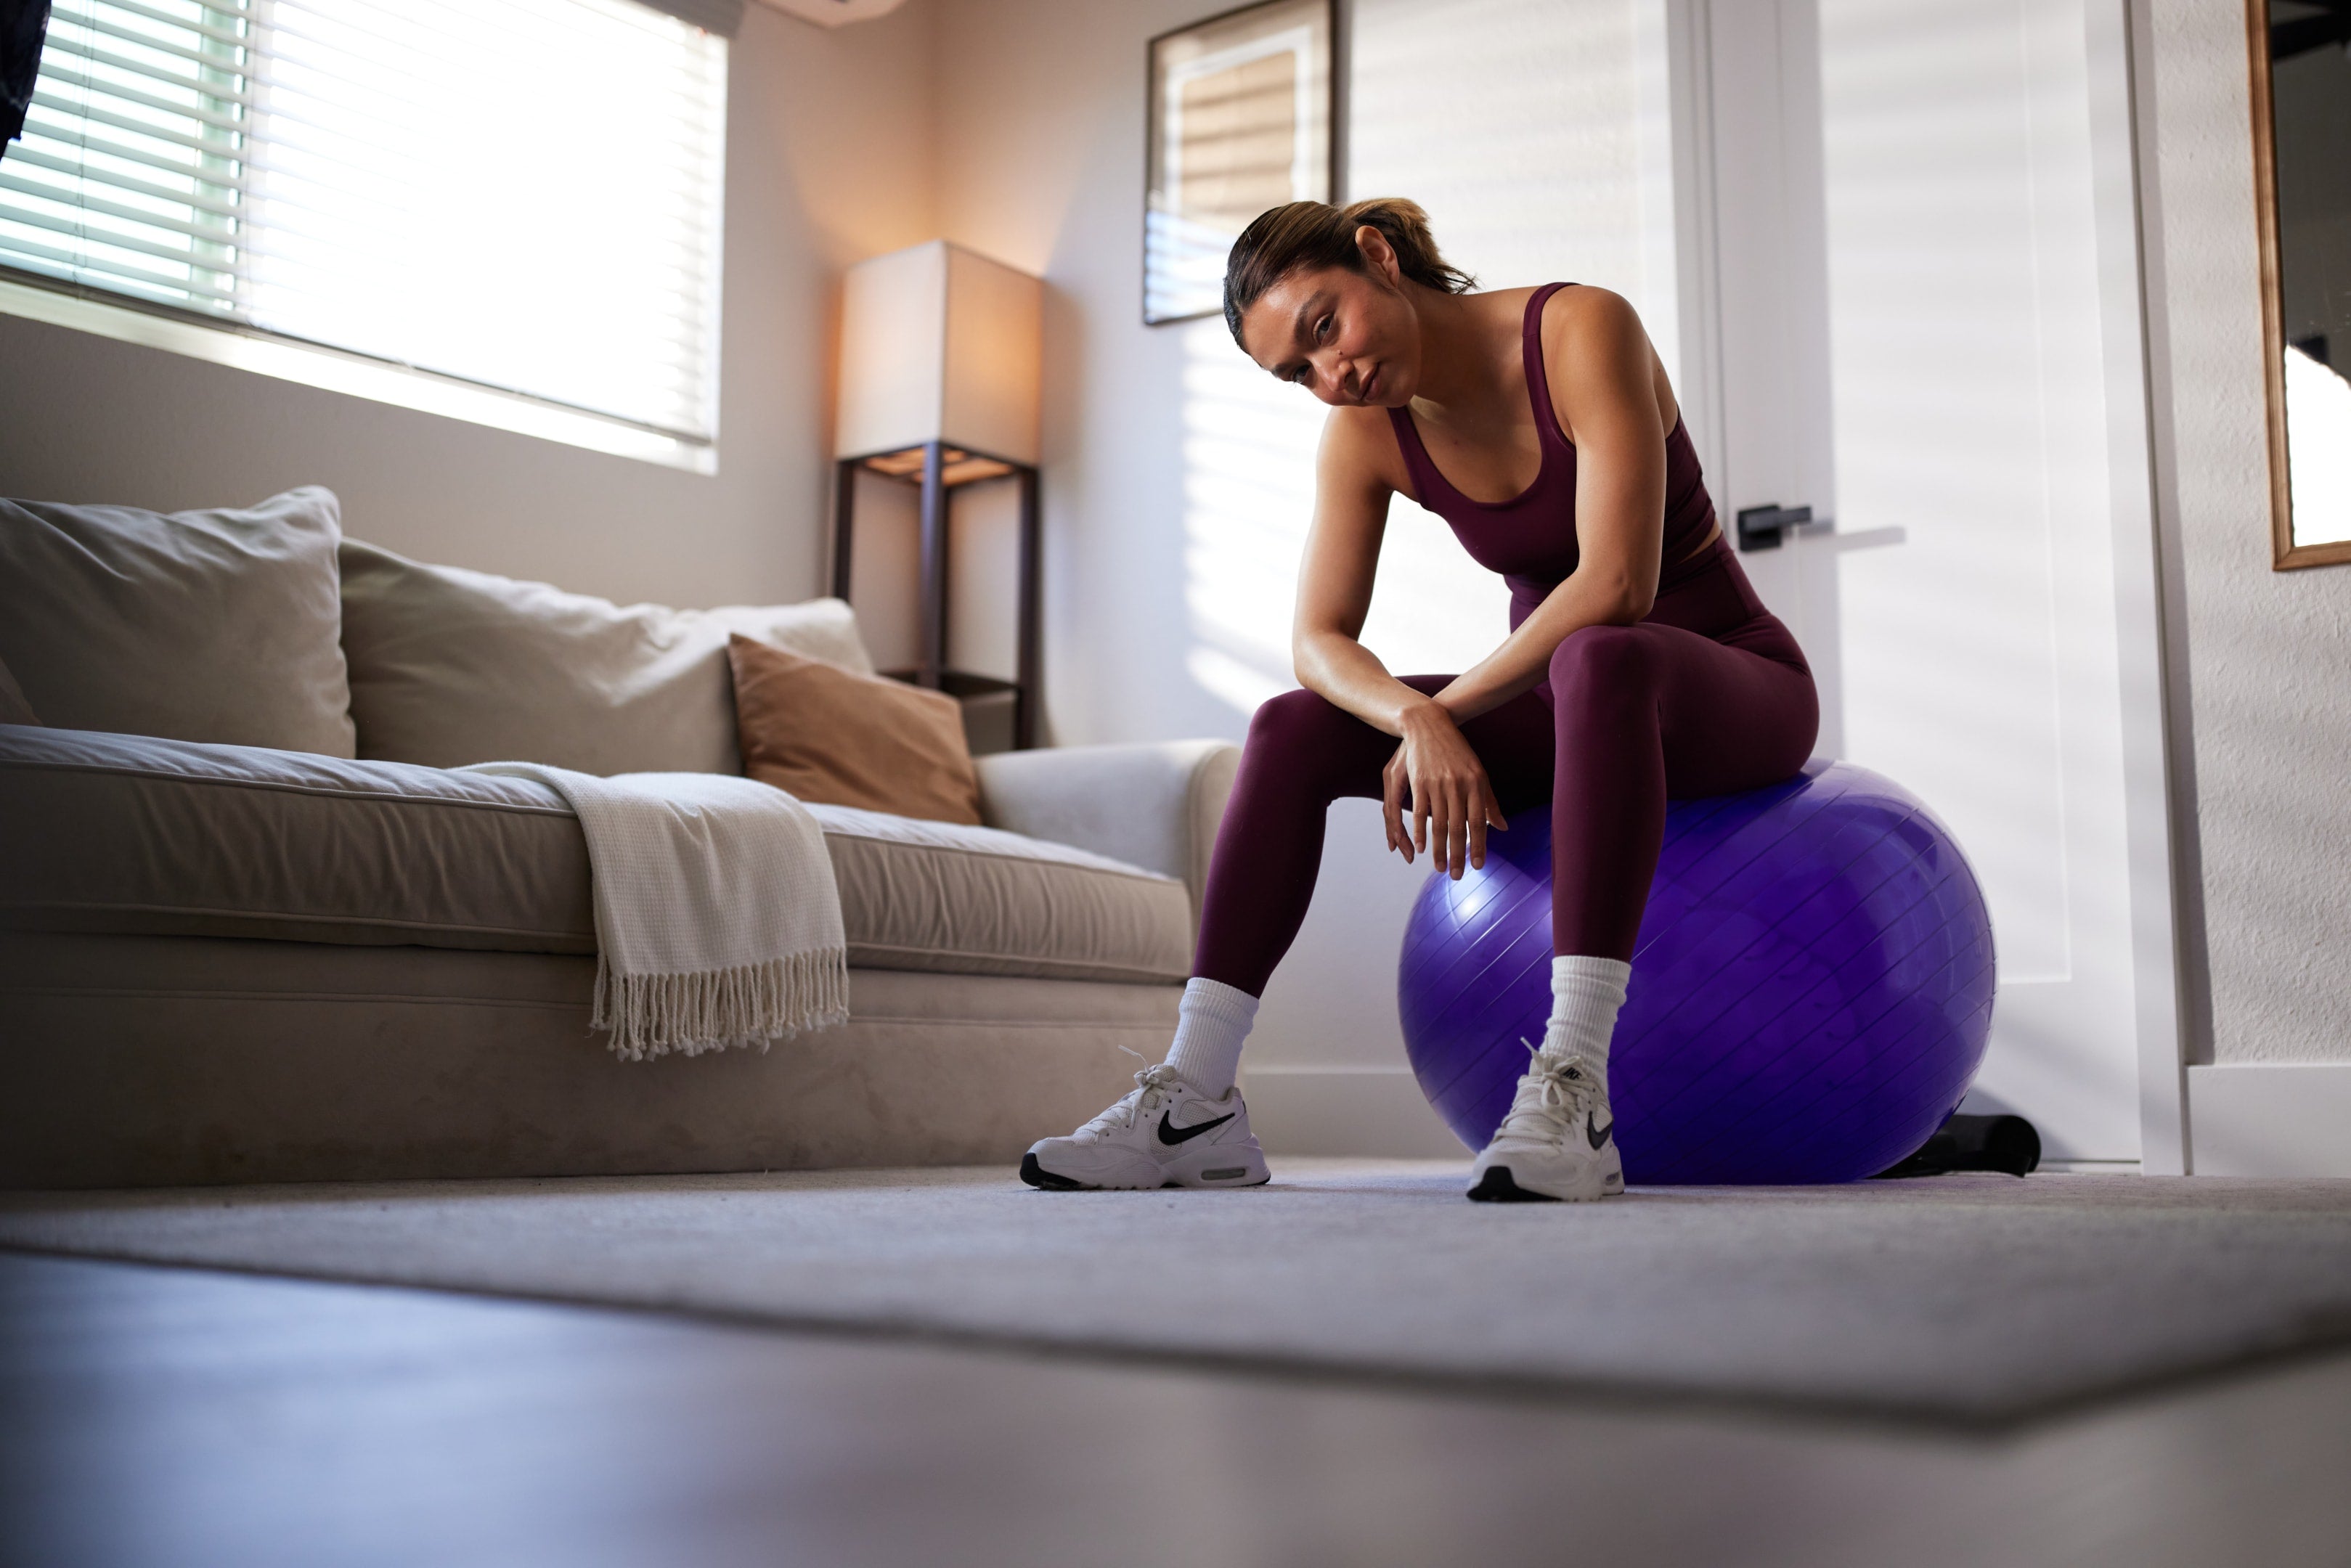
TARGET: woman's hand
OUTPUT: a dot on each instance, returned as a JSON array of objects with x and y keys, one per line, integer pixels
[{"x": 1452, "y": 804}]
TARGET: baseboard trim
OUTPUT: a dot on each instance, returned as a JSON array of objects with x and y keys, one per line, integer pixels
[
  {"x": 1371, "y": 1111},
  {"x": 2244, "y": 1119},
  {"x": 2281, "y": 1119}
]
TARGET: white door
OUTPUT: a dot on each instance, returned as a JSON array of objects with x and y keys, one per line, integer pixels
[{"x": 1893, "y": 314}]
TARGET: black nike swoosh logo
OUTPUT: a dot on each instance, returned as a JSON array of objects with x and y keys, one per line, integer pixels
[
  {"x": 1596, "y": 1134},
  {"x": 1171, "y": 1136}
]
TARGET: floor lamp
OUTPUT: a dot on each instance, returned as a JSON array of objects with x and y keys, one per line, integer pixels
[{"x": 941, "y": 356}]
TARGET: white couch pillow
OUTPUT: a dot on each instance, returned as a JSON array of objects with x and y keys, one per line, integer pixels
[
  {"x": 450, "y": 667},
  {"x": 216, "y": 626}
]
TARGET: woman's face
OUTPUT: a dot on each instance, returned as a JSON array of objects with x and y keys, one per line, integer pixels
[{"x": 1350, "y": 338}]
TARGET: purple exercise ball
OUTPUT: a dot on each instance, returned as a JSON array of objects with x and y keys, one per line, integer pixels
[{"x": 1811, "y": 992}]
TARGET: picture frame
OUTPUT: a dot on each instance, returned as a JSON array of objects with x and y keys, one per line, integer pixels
[
  {"x": 1240, "y": 121},
  {"x": 2308, "y": 403}
]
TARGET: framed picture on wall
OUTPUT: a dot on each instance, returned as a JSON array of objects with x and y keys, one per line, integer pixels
[
  {"x": 2302, "y": 186},
  {"x": 1241, "y": 121}
]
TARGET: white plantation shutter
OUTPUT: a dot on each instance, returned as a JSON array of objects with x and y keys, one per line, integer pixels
[{"x": 524, "y": 195}]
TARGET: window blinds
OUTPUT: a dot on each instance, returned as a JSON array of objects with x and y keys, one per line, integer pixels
[{"x": 524, "y": 195}]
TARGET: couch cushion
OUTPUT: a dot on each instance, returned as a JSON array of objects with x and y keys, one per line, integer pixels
[
  {"x": 211, "y": 625},
  {"x": 450, "y": 667},
  {"x": 980, "y": 900},
  {"x": 139, "y": 835},
  {"x": 168, "y": 838}
]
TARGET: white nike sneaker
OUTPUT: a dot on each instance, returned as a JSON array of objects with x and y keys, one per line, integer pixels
[
  {"x": 1558, "y": 1139},
  {"x": 1164, "y": 1133}
]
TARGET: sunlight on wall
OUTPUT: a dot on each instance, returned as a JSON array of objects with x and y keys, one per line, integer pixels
[
  {"x": 1435, "y": 612},
  {"x": 1248, "y": 496},
  {"x": 1518, "y": 124}
]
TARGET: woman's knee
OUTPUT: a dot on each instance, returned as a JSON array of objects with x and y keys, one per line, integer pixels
[
  {"x": 1596, "y": 661},
  {"x": 1298, "y": 720}
]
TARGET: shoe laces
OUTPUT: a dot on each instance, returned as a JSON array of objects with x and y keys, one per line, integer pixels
[
  {"x": 1555, "y": 1093},
  {"x": 1154, "y": 1086}
]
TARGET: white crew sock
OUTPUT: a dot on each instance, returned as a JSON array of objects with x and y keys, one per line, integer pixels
[
  {"x": 1212, "y": 1021},
  {"x": 1586, "y": 994}
]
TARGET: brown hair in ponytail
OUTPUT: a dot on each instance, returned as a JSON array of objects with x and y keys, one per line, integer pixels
[{"x": 1281, "y": 240}]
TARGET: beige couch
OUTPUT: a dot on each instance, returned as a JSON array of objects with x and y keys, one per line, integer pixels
[{"x": 224, "y": 962}]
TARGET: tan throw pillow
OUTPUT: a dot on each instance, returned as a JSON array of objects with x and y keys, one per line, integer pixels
[
  {"x": 218, "y": 625},
  {"x": 450, "y": 667},
  {"x": 836, "y": 738}
]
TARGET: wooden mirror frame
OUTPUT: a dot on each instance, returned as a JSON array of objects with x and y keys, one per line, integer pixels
[{"x": 2285, "y": 554}]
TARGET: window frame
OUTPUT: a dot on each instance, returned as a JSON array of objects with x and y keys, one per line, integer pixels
[{"x": 126, "y": 317}]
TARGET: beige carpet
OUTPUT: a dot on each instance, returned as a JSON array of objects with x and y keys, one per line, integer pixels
[{"x": 1968, "y": 1297}]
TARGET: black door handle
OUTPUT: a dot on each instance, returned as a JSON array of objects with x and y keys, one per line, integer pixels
[{"x": 1760, "y": 528}]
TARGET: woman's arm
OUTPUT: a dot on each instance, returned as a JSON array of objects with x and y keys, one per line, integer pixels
[
  {"x": 1605, "y": 396},
  {"x": 1334, "y": 582},
  {"x": 1435, "y": 768}
]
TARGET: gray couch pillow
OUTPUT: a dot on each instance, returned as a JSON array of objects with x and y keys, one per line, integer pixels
[
  {"x": 450, "y": 667},
  {"x": 220, "y": 625}
]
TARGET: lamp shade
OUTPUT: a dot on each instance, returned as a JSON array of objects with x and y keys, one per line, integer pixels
[{"x": 940, "y": 344}]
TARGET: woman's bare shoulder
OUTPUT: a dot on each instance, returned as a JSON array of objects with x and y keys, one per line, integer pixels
[
  {"x": 1596, "y": 348},
  {"x": 1583, "y": 311}
]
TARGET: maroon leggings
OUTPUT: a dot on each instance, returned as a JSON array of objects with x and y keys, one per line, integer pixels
[{"x": 1709, "y": 696}]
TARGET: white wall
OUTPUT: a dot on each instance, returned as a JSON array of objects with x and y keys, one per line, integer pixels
[
  {"x": 2261, "y": 706},
  {"x": 829, "y": 158}
]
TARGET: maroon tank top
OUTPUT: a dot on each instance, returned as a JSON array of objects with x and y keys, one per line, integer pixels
[{"x": 1530, "y": 538}]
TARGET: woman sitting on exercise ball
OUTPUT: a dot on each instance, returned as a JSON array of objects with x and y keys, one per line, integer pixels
[{"x": 1640, "y": 666}]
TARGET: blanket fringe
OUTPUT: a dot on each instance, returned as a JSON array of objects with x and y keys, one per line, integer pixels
[{"x": 712, "y": 1009}]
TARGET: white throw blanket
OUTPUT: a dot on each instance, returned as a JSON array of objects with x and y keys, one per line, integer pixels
[{"x": 717, "y": 920}]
